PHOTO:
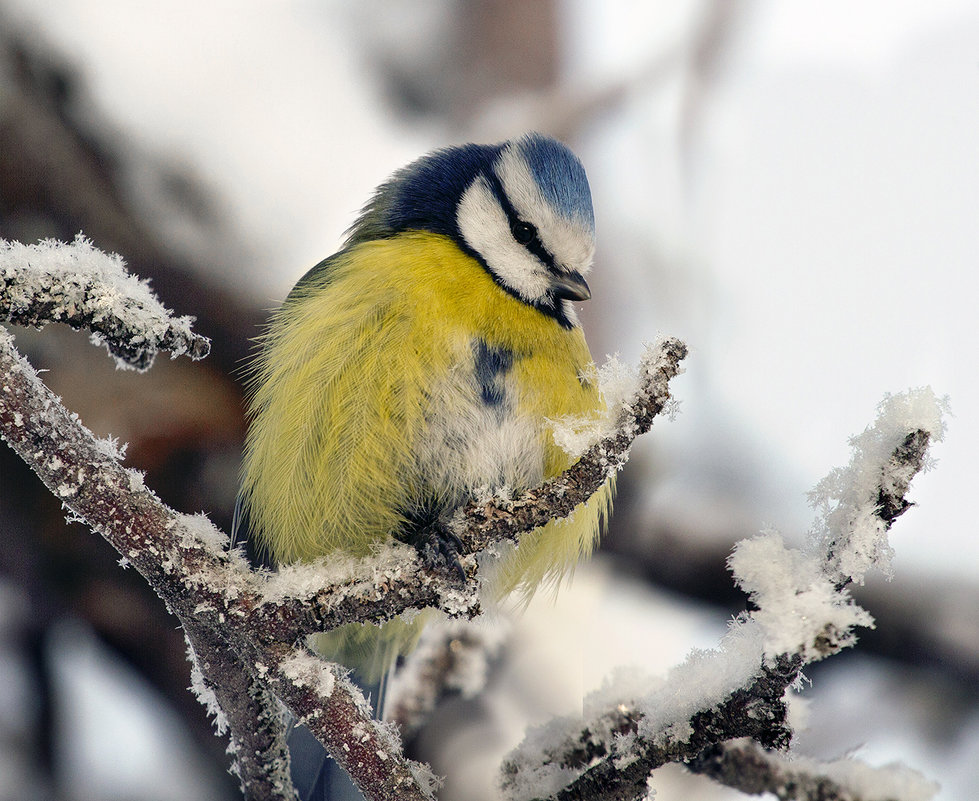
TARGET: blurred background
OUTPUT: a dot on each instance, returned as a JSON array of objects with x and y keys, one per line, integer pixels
[{"x": 790, "y": 186}]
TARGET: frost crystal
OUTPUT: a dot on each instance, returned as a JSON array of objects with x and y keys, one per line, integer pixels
[
  {"x": 617, "y": 384},
  {"x": 800, "y": 609},
  {"x": 848, "y": 500},
  {"x": 308, "y": 670},
  {"x": 204, "y": 693},
  {"x": 80, "y": 285}
]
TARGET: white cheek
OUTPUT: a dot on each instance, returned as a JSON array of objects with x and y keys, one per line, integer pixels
[{"x": 485, "y": 228}]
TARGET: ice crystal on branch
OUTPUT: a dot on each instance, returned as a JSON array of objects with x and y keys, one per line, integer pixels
[
  {"x": 243, "y": 627},
  {"x": 79, "y": 285},
  {"x": 856, "y": 504}
]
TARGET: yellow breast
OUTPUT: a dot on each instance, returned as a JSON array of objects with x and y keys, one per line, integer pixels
[{"x": 373, "y": 389}]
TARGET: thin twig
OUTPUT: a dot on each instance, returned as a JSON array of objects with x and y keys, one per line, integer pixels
[{"x": 746, "y": 766}]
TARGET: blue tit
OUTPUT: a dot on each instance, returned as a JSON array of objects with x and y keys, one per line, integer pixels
[{"x": 425, "y": 362}]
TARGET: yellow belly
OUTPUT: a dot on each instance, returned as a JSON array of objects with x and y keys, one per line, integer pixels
[{"x": 369, "y": 395}]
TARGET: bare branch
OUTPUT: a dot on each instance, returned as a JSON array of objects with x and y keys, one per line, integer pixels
[
  {"x": 375, "y": 589},
  {"x": 321, "y": 696},
  {"x": 611, "y": 758},
  {"x": 203, "y": 585}
]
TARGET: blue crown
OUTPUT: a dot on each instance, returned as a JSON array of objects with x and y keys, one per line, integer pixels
[
  {"x": 423, "y": 196},
  {"x": 560, "y": 176}
]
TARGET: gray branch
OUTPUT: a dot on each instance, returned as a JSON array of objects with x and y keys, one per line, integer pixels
[
  {"x": 210, "y": 590},
  {"x": 247, "y": 710},
  {"x": 746, "y": 766},
  {"x": 613, "y": 754}
]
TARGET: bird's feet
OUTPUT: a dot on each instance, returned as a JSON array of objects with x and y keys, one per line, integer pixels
[{"x": 437, "y": 545}]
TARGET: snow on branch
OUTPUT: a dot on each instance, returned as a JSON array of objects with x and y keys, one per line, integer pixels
[
  {"x": 481, "y": 523},
  {"x": 857, "y": 504},
  {"x": 803, "y": 613},
  {"x": 244, "y": 628},
  {"x": 77, "y": 284}
]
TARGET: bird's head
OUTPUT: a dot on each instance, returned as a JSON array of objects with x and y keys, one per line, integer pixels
[{"x": 521, "y": 208}]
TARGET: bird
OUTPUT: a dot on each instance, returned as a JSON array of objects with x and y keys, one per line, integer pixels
[{"x": 426, "y": 362}]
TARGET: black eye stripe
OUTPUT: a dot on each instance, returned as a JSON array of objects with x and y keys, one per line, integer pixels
[
  {"x": 546, "y": 305},
  {"x": 534, "y": 244}
]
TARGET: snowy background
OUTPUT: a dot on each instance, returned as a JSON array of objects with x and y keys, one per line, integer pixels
[{"x": 793, "y": 191}]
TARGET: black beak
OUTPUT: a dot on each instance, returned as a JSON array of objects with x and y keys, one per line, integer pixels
[{"x": 570, "y": 286}]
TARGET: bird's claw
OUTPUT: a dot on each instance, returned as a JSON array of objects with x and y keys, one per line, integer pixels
[
  {"x": 437, "y": 544},
  {"x": 442, "y": 548}
]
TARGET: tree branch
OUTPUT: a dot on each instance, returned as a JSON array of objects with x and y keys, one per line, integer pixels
[
  {"x": 243, "y": 707},
  {"x": 86, "y": 288},
  {"x": 803, "y": 614},
  {"x": 244, "y": 628},
  {"x": 745, "y": 766},
  {"x": 208, "y": 589}
]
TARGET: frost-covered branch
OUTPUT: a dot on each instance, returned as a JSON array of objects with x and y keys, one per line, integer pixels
[
  {"x": 480, "y": 524},
  {"x": 210, "y": 589},
  {"x": 710, "y": 698},
  {"x": 745, "y": 766},
  {"x": 245, "y": 628},
  {"x": 244, "y": 708},
  {"x": 83, "y": 287},
  {"x": 803, "y": 613}
]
